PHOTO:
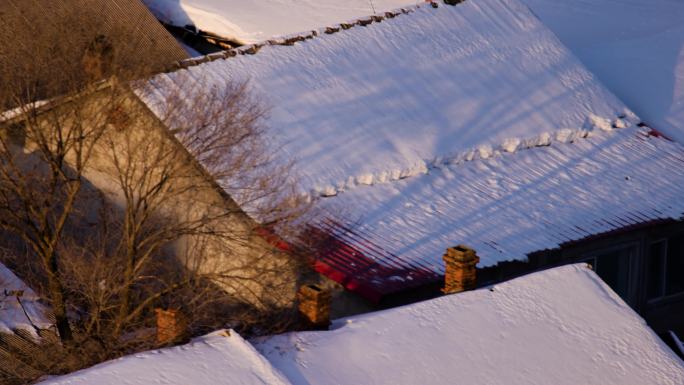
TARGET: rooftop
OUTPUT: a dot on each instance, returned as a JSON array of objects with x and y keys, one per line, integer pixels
[
  {"x": 388, "y": 98},
  {"x": 559, "y": 326},
  {"x": 253, "y": 21},
  {"x": 504, "y": 205},
  {"x": 431, "y": 127},
  {"x": 222, "y": 357}
]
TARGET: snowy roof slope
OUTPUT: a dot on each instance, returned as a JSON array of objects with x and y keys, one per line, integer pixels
[
  {"x": 384, "y": 101},
  {"x": 257, "y": 20},
  {"x": 559, "y": 326},
  {"x": 19, "y": 306},
  {"x": 221, "y": 357},
  {"x": 504, "y": 206},
  {"x": 636, "y": 48}
]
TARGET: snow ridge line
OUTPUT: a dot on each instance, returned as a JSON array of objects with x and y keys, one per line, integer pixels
[
  {"x": 290, "y": 40},
  {"x": 485, "y": 151}
]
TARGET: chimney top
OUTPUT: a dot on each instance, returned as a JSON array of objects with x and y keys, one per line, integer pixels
[
  {"x": 461, "y": 253},
  {"x": 460, "y": 271},
  {"x": 171, "y": 325},
  {"x": 314, "y": 306}
]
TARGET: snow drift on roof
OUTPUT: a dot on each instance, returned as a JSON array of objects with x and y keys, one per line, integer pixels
[
  {"x": 221, "y": 357},
  {"x": 257, "y": 20},
  {"x": 504, "y": 206},
  {"x": 385, "y": 100},
  {"x": 636, "y": 48},
  {"x": 559, "y": 326},
  {"x": 19, "y": 306}
]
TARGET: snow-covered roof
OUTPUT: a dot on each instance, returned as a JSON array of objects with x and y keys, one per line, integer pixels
[
  {"x": 387, "y": 100},
  {"x": 20, "y": 308},
  {"x": 559, "y": 326},
  {"x": 636, "y": 48},
  {"x": 504, "y": 205},
  {"x": 458, "y": 124},
  {"x": 257, "y": 20},
  {"x": 221, "y": 357}
]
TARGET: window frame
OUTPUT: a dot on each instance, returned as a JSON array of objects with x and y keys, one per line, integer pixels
[
  {"x": 663, "y": 297},
  {"x": 633, "y": 248}
]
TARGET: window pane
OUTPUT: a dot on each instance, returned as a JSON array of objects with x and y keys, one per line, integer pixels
[
  {"x": 655, "y": 274},
  {"x": 613, "y": 268},
  {"x": 674, "y": 282}
]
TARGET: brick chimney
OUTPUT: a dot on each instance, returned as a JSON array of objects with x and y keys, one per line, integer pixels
[
  {"x": 461, "y": 271},
  {"x": 171, "y": 325},
  {"x": 314, "y": 306}
]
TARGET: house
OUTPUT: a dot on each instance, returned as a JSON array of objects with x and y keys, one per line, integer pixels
[
  {"x": 472, "y": 124},
  {"x": 219, "y": 239},
  {"x": 561, "y": 326}
]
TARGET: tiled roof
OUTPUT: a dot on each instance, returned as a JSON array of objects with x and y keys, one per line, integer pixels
[{"x": 28, "y": 23}]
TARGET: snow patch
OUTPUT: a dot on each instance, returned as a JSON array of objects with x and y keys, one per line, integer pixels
[
  {"x": 20, "y": 308},
  {"x": 511, "y": 145},
  {"x": 366, "y": 179},
  {"x": 598, "y": 122}
]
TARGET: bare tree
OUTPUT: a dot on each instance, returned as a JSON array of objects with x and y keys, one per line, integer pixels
[{"x": 121, "y": 210}]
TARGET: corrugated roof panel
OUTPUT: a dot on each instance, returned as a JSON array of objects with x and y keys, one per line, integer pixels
[{"x": 512, "y": 204}]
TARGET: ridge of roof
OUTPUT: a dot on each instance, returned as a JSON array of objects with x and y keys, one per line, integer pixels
[
  {"x": 252, "y": 49},
  {"x": 484, "y": 151}
]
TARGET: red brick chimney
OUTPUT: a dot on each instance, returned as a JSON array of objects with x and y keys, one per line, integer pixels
[
  {"x": 171, "y": 325},
  {"x": 461, "y": 271},
  {"x": 314, "y": 306}
]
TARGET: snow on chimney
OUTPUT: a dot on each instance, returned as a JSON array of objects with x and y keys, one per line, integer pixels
[
  {"x": 461, "y": 271},
  {"x": 314, "y": 306},
  {"x": 171, "y": 325}
]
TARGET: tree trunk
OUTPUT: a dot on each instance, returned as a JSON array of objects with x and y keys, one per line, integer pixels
[{"x": 58, "y": 303}]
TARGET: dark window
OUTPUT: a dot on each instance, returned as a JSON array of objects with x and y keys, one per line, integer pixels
[
  {"x": 613, "y": 268},
  {"x": 656, "y": 269},
  {"x": 674, "y": 267},
  {"x": 666, "y": 267}
]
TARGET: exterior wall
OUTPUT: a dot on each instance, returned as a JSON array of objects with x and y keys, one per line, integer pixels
[{"x": 252, "y": 270}]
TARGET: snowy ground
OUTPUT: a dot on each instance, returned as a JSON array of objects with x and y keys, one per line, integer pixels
[
  {"x": 635, "y": 47},
  {"x": 560, "y": 326},
  {"x": 258, "y": 20},
  {"x": 19, "y": 306},
  {"x": 386, "y": 101},
  {"x": 222, "y": 357}
]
